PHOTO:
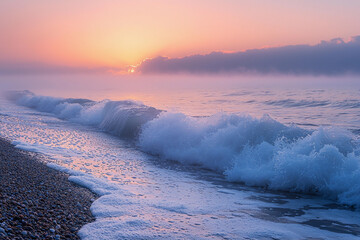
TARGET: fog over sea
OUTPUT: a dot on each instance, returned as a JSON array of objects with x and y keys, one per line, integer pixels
[{"x": 198, "y": 157}]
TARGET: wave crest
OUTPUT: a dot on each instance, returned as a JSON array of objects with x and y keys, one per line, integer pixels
[
  {"x": 121, "y": 118},
  {"x": 261, "y": 152}
]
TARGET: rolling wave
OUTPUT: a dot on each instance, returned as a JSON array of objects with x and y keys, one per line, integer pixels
[
  {"x": 292, "y": 103},
  {"x": 121, "y": 118},
  {"x": 297, "y": 103}
]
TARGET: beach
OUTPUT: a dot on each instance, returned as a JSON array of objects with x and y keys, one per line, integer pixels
[
  {"x": 37, "y": 202},
  {"x": 149, "y": 187}
]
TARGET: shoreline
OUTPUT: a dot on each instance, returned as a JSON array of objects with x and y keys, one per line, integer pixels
[{"x": 37, "y": 202}]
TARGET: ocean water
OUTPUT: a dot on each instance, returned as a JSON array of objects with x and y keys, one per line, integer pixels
[{"x": 230, "y": 162}]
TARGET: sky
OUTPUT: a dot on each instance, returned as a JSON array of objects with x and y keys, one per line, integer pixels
[{"x": 109, "y": 35}]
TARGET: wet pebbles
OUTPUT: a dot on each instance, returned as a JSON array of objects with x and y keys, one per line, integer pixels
[{"x": 37, "y": 202}]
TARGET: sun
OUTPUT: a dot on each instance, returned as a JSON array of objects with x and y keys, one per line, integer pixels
[{"x": 131, "y": 70}]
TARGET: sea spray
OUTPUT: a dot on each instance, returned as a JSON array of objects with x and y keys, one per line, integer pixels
[{"x": 261, "y": 152}]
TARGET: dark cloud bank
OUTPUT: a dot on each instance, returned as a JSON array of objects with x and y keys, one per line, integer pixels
[{"x": 327, "y": 58}]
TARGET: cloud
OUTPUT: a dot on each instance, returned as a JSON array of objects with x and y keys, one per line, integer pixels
[
  {"x": 333, "y": 57},
  {"x": 19, "y": 68}
]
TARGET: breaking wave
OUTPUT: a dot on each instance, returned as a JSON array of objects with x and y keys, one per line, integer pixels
[
  {"x": 121, "y": 118},
  {"x": 257, "y": 152},
  {"x": 262, "y": 152}
]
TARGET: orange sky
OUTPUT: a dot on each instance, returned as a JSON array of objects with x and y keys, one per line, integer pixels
[{"x": 118, "y": 33}]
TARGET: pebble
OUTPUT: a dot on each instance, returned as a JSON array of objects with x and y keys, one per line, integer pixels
[{"x": 33, "y": 196}]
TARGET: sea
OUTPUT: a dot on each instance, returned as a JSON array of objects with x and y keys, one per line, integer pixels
[{"x": 198, "y": 157}]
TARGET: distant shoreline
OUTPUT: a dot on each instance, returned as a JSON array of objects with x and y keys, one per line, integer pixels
[{"x": 37, "y": 202}]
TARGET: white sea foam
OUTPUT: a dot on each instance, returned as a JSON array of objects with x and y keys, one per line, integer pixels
[
  {"x": 257, "y": 152},
  {"x": 121, "y": 118},
  {"x": 261, "y": 152}
]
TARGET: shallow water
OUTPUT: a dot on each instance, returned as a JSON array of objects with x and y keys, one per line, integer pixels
[{"x": 147, "y": 196}]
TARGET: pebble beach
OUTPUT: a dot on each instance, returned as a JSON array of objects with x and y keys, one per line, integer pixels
[{"x": 37, "y": 202}]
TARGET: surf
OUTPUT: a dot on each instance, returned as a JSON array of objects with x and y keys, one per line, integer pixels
[{"x": 254, "y": 151}]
